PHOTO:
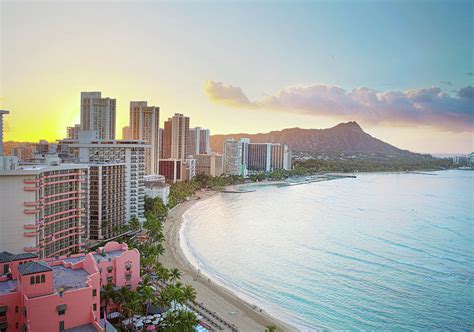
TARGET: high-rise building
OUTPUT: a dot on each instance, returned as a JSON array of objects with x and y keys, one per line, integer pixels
[
  {"x": 167, "y": 138},
  {"x": 232, "y": 157},
  {"x": 176, "y": 137},
  {"x": 280, "y": 157},
  {"x": 44, "y": 209},
  {"x": 259, "y": 157},
  {"x": 106, "y": 200},
  {"x": 98, "y": 114},
  {"x": 144, "y": 126},
  {"x": 131, "y": 153},
  {"x": 171, "y": 169},
  {"x": 126, "y": 133},
  {"x": 209, "y": 164},
  {"x": 72, "y": 132},
  {"x": 267, "y": 157},
  {"x": 198, "y": 142},
  {"x": 160, "y": 139},
  {"x": 2, "y": 113}
]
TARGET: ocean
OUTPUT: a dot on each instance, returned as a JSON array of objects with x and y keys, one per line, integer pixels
[{"x": 383, "y": 251}]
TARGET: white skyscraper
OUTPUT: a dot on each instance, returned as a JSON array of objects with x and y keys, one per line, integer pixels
[
  {"x": 98, "y": 114},
  {"x": 144, "y": 126},
  {"x": 232, "y": 157}
]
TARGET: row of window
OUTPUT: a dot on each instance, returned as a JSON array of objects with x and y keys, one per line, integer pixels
[{"x": 38, "y": 279}]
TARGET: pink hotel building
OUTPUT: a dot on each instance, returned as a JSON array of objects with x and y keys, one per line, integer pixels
[{"x": 63, "y": 293}]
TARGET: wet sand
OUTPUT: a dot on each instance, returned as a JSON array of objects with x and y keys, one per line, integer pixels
[{"x": 215, "y": 297}]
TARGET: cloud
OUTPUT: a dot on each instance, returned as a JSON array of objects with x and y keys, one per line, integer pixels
[
  {"x": 446, "y": 82},
  {"x": 467, "y": 92},
  {"x": 418, "y": 107},
  {"x": 226, "y": 94}
]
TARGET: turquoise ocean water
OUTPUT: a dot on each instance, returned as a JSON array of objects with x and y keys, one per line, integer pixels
[{"x": 382, "y": 251}]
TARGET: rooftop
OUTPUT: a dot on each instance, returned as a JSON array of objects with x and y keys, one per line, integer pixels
[
  {"x": 67, "y": 278},
  {"x": 107, "y": 256},
  {"x": 33, "y": 267},
  {"x": 7, "y": 286},
  {"x": 83, "y": 328}
]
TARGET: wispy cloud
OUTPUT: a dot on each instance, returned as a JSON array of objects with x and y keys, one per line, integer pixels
[
  {"x": 427, "y": 107},
  {"x": 446, "y": 83}
]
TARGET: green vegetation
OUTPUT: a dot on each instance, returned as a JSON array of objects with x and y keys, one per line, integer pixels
[
  {"x": 181, "y": 191},
  {"x": 171, "y": 292},
  {"x": 370, "y": 165}
]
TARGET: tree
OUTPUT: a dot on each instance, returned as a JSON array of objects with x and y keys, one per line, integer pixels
[
  {"x": 175, "y": 275},
  {"x": 270, "y": 328},
  {"x": 134, "y": 224},
  {"x": 107, "y": 293}
]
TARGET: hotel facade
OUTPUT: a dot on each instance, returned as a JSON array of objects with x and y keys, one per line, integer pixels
[
  {"x": 98, "y": 114},
  {"x": 144, "y": 126},
  {"x": 44, "y": 209}
]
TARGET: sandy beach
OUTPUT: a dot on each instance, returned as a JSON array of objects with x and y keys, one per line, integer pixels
[{"x": 215, "y": 297}]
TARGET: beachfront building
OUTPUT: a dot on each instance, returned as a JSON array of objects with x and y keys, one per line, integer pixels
[
  {"x": 98, "y": 114},
  {"x": 144, "y": 126},
  {"x": 44, "y": 209},
  {"x": 209, "y": 164},
  {"x": 232, "y": 160},
  {"x": 280, "y": 157},
  {"x": 62, "y": 293},
  {"x": 199, "y": 141},
  {"x": 176, "y": 137},
  {"x": 189, "y": 169},
  {"x": 131, "y": 153},
  {"x": 107, "y": 200},
  {"x": 155, "y": 186},
  {"x": 171, "y": 169},
  {"x": 267, "y": 157}
]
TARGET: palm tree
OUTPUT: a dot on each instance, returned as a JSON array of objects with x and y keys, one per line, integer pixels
[
  {"x": 107, "y": 293},
  {"x": 270, "y": 328},
  {"x": 175, "y": 274},
  {"x": 121, "y": 296},
  {"x": 162, "y": 273},
  {"x": 147, "y": 296},
  {"x": 131, "y": 306},
  {"x": 189, "y": 294}
]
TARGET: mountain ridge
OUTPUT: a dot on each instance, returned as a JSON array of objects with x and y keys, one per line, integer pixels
[{"x": 346, "y": 137}]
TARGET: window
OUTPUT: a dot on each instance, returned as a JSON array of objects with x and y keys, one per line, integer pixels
[
  {"x": 94, "y": 292},
  {"x": 16, "y": 309},
  {"x": 37, "y": 279},
  {"x": 32, "y": 280},
  {"x": 43, "y": 278},
  {"x": 109, "y": 279},
  {"x": 61, "y": 312},
  {"x": 61, "y": 326},
  {"x": 109, "y": 269},
  {"x": 94, "y": 306},
  {"x": 6, "y": 267}
]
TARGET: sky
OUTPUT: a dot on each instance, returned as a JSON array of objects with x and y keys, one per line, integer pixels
[{"x": 402, "y": 69}]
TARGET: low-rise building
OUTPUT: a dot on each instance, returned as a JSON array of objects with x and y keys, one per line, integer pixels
[
  {"x": 171, "y": 169},
  {"x": 62, "y": 293},
  {"x": 209, "y": 164},
  {"x": 155, "y": 186}
]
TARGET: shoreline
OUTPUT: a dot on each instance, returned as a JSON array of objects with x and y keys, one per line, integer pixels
[{"x": 215, "y": 297}]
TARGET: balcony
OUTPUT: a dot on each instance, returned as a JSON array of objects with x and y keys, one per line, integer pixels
[
  {"x": 31, "y": 249},
  {"x": 30, "y": 234},
  {"x": 31, "y": 226},
  {"x": 31, "y": 181},
  {"x": 26, "y": 211},
  {"x": 31, "y": 203},
  {"x": 31, "y": 188}
]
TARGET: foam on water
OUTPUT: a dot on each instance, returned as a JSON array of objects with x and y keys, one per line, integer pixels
[{"x": 382, "y": 251}]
